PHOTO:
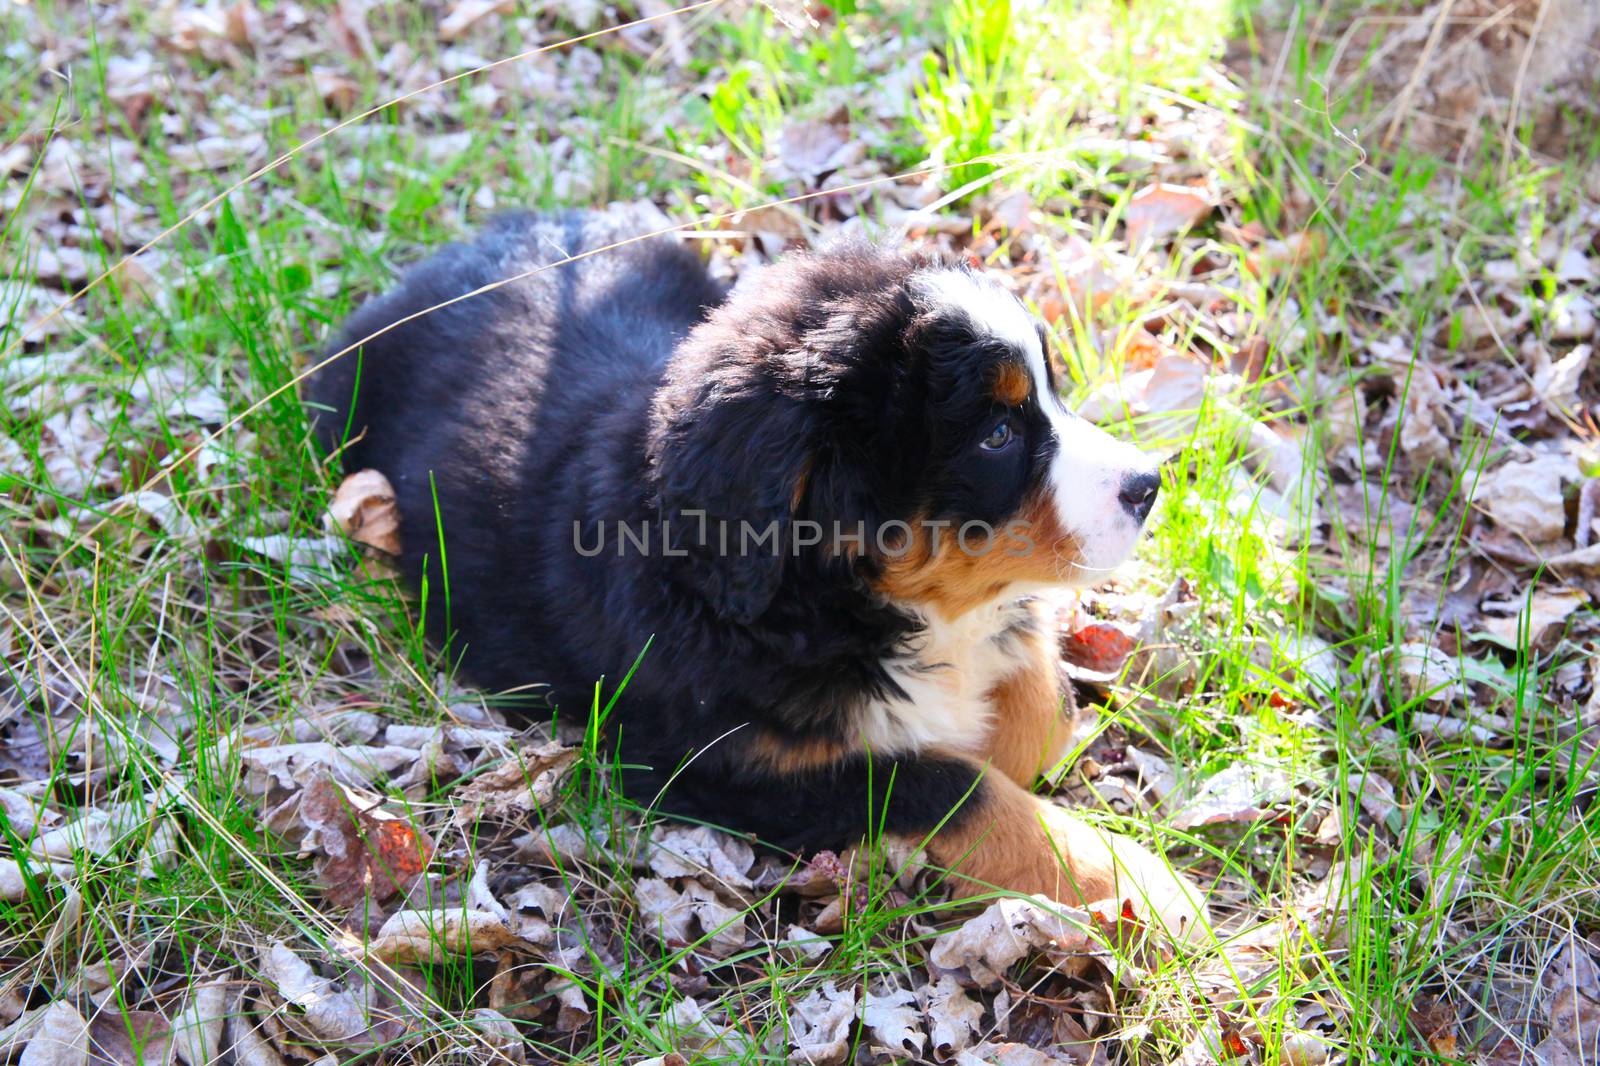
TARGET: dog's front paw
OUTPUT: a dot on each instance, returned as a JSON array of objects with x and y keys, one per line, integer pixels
[
  {"x": 1084, "y": 864},
  {"x": 1017, "y": 841}
]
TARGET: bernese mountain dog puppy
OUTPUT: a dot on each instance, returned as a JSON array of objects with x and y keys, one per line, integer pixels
[{"x": 817, "y": 505}]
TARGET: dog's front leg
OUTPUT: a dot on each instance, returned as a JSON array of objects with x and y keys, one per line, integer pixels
[
  {"x": 1032, "y": 713},
  {"x": 973, "y": 820},
  {"x": 1004, "y": 837}
]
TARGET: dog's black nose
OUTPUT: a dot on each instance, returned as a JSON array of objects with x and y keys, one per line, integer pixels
[{"x": 1138, "y": 494}]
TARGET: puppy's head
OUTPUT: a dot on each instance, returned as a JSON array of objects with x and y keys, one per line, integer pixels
[{"x": 891, "y": 417}]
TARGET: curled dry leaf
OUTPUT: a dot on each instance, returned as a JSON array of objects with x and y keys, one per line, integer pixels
[
  {"x": 197, "y": 1027},
  {"x": 685, "y": 1025},
  {"x": 530, "y": 782},
  {"x": 1426, "y": 671},
  {"x": 364, "y": 508},
  {"x": 892, "y": 1017},
  {"x": 819, "y": 1025},
  {"x": 988, "y": 945},
  {"x": 1525, "y": 498},
  {"x": 1237, "y": 794},
  {"x": 91, "y": 832},
  {"x": 572, "y": 1009},
  {"x": 295, "y": 766},
  {"x": 669, "y": 914},
  {"x": 14, "y": 886},
  {"x": 414, "y": 936},
  {"x": 1161, "y": 210},
  {"x": 954, "y": 1018},
  {"x": 500, "y": 1033},
  {"x": 24, "y": 813},
  {"x": 1540, "y": 620},
  {"x": 246, "y": 1036},
  {"x": 811, "y": 149},
  {"x": 989, "y": 1053},
  {"x": 306, "y": 558},
  {"x": 322, "y": 1010},
  {"x": 665, "y": 911},
  {"x": 1377, "y": 798},
  {"x": 683, "y": 851},
  {"x": 73, "y": 449},
  {"x": 534, "y": 910},
  {"x": 803, "y": 943},
  {"x": 337, "y": 89}
]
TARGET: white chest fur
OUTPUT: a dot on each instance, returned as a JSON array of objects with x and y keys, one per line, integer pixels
[{"x": 947, "y": 672}]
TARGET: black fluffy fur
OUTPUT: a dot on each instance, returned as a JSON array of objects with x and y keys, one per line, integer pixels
[{"x": 623, "y": 388}]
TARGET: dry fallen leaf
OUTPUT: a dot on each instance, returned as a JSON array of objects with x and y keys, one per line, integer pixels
[
  {"x": 197, "y": 1027},
  {"x": 1571, "y": 994},
  {"x": 987, "y": 945},
  {"x": 295, "y": 766},
  {"x": 364, "y": 507},
  {"x": 13, "y": 886},
  {"x": 1541, "y": 617},
  {"x": 1007, "y": 1054},
  {"x": 529, "y": 782},
  {"x": 364, "y": 849},
  {"x": 691, "y": 851},
  {"x": 668, "y": 913},
  {"x": 336, "y": 88},
  {"x": 954, "y": 1018},
  {"x": 1161, "y": 210},
  {"x": 129, "y": 1038},
  {"x": 811, "y": 149},
  {"x": 684, "y": 1025},
  {"x": 245, "y": 1035},
  {"x": 325, "y": 1013},
  {"x": 533, "y": 911},
  {"x": 60, "y": 1038},
  {"x": 1525, "y": 498},
  {"x": 308, "y": 559},
  {"x": 819, "y": 1025},
  {"x": 420, "y": 936},
  {"x": 892, "y": 1017},
  {"x": 465, "y": 14},
  {"x": 1239, "y": 793},
  {"x": 501, "y": 1034}
]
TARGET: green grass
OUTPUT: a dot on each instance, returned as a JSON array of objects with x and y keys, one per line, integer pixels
[{"x": 105, "y": 604}]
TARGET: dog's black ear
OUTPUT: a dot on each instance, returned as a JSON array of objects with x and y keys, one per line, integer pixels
[{"x": 730, "y": 472}]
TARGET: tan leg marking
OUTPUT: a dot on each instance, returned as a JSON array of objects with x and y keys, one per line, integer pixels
[
  {"x": 1017, "y": 841},
  {"x": 1031, "y": 724}
]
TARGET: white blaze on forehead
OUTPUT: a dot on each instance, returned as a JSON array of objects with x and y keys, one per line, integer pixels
[
  {"x": 1086, "y": 477},
  {"x": 986, "y": 305}
]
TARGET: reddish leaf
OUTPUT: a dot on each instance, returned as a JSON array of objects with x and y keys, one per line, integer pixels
[
  {"x": 365, "y": 848},
  {"x": 1159, "y": 210},
  {"x": 1436, "y": 1020},
  {"x": 1100, "y": 646}
]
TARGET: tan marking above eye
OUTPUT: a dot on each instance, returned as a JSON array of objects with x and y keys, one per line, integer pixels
[{"x": 1011, "y": 383}]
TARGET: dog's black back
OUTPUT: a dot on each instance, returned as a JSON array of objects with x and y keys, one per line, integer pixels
[{"x": 504, "y": 417}]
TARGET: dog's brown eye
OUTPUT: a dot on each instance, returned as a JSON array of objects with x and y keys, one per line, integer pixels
[{"x": 998, "y": 437}]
